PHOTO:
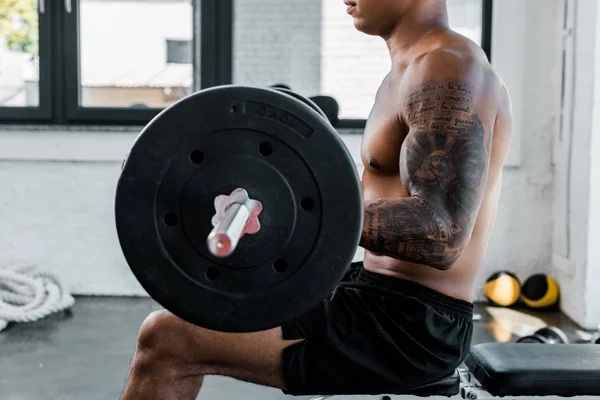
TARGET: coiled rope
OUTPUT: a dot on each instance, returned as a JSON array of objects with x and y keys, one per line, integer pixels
[{"x": 28, "y": 294}]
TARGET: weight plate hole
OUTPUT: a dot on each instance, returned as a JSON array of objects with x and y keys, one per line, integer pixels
[
  {"x": 266, "y": 149},
  {"x": 171, "y": 219},
  {"x": 233, "y": 109},
  {"x": 212, "y": 274},
  {"x": 280, "y": 266},
  {"x": 197, "y": 157},
  {"x": 307, "y": 204}
]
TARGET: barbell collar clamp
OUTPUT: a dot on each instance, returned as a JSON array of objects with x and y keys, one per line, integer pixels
[{"x": 236, "y": 216}]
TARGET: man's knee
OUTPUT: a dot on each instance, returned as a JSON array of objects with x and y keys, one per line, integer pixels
[{"x": 160, "y": 335}]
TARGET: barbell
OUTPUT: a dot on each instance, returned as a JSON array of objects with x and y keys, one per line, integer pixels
[{"x": 239, "y": 208}]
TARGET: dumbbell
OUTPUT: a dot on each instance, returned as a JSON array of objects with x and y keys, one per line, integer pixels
[{"x": 546, "y": 335}]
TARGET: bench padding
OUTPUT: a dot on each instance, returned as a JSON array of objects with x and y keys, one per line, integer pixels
[{"x": 536, "y": 369}]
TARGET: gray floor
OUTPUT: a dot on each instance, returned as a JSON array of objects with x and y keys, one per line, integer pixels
[{"x": 85, "y": 354}]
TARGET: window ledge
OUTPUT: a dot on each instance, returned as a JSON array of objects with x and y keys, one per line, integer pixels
[
  {"x": 88, "y": 143},
  {"x": 68, "y": 128}
]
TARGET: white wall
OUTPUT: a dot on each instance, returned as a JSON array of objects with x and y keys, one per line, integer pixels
[
  {"x": 57, "y": 206},
  {"x": 58, "y": 187},
  {"x": 577, "y": 258},
  {"x": 592, "y": 294},
  {"x": 572, "y": 165},
  {"x": 526, "y": 53}
]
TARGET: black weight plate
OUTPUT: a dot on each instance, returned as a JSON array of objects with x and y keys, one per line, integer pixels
[
  {"x": 553, "y": 334},
  {"x": 286, "y": 156},
  {"x": 303, "y": 99},
  {"x": 532, "y": 339},
  {"x": 329, "y": 106},
  {"x": 548, "y": 335}
]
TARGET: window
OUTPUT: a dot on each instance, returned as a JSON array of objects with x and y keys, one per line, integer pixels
[
  {"x": 123, "y": 61},
  {"x": 322, "y": 52},
  {"x": 24, "y": 70},
  {"x": 19, "y": 55},
  {"x": 354, "y": 64},
  {"x": 95, "y": 61},
  {"x": 124, "y": 52},
  {"x": 117, "y": 58}
]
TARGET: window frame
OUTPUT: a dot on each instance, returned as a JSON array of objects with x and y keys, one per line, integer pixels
[
  {"x": 212, "y": 53},
  {"x": 487, "y": 21}
]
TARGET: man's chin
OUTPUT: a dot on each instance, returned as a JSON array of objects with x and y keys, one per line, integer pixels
[
  {"x": 360, "y": 26},
  {"x": 365, "y": 30}
]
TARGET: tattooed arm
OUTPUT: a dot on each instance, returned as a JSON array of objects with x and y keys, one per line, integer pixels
[{"x": 443, "y": 165}]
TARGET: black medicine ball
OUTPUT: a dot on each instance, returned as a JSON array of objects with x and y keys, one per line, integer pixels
[{"x": 540, "y": 291}]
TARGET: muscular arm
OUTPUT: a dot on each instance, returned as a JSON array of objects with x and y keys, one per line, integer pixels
[{"x": 443, "y": 165}]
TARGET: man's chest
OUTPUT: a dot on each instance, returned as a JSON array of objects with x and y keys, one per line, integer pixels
[{"x": 384, "y": 134}]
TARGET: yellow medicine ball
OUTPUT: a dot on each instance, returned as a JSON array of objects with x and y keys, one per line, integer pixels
[
  {"x": 503, "y": 289},
  {"x": 540, "y": 291}
]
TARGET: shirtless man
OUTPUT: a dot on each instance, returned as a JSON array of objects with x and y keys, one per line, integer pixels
[{"x": 433, "y": 150}]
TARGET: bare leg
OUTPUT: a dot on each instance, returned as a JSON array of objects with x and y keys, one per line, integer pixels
[{"x": 172, "y": 357}]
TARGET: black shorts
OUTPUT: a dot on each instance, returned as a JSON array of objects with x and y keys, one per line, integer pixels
[{"x": 376, "y": 335}]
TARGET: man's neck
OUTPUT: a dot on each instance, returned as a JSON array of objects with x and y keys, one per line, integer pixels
[{"x": 414, "y": 27}]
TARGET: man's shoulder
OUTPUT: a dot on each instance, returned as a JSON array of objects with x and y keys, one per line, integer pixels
[
  {"x": 457, "y": 60},
  {"x": 451, "y": 60}
]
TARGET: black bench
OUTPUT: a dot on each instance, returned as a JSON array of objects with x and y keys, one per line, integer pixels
[
  {"x": 564, "y": 370},
  {"x": 519, "y": 370}
]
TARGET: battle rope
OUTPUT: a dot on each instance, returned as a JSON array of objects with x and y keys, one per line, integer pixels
[{"x": 27, "y": 295}]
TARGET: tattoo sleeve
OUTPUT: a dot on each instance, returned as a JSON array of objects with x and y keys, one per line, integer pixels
[{"x": 443, "y": 165}]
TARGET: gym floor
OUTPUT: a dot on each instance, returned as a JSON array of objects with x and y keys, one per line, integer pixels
[{"x": 85, "y": 353}]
